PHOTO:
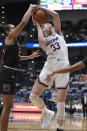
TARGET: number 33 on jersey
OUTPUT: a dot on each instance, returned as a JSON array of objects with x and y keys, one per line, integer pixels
[{"x": 56, "y": 46}]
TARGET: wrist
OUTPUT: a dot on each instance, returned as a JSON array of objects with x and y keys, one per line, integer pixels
[
  {"x": 31, "y": 56},
  {"x": 31, "y": 8}
]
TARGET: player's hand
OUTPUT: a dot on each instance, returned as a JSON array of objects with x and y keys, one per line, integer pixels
[
  {"x": 34, "y": 21},
  {"x": 33, "y": 8},
  {"x": 40, "y": 7},
  {"x": 49, "y": 77},
  {"x": 36, "y": 54}
]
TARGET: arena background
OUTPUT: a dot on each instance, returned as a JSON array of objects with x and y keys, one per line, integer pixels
[{"x": 74, "y": 29}]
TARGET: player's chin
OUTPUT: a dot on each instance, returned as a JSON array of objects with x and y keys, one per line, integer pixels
[{"x": 49, "y": 32}]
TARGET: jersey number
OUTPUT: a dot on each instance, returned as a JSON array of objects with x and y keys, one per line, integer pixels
[{"x": 56, "y": 46}]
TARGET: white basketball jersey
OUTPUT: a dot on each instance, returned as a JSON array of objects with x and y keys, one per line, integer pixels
[{"x": 56, "y": 47}]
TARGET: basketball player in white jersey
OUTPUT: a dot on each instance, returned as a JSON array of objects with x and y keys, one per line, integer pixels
[{"x": 52, "y": 42}]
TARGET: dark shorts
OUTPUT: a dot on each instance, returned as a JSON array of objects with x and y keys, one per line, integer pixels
[{"x": 7, "y": 81}]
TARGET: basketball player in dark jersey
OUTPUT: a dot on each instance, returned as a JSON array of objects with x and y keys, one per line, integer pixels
[
  {"x": 11, "y": 61},
  {"x": 75, "y": 67}
]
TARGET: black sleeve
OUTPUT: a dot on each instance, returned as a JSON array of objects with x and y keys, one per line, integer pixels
[{"x": 85, "y": 61}]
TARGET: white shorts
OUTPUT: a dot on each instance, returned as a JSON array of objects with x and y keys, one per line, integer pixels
[{"x": 61, "y": 80}]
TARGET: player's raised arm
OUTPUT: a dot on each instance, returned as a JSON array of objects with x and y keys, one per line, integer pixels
[
  {"x": 56, "y": 19},
  {"x": 20, "y": 26},
  {"x": 40, "y": 34}
]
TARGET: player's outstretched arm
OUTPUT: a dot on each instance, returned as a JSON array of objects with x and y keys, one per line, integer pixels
[
  {"x": 34, "y": 55},
  {"x": 20, "y": 26},
  {"x": 56, "y": 19},
  {"x": 40, "y": 34},
  {"x": 72, "y": 68},
  {"x": 41, "y": 38}
]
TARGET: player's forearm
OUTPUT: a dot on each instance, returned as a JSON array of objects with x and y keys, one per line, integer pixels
[
  {"x": 50, "y": 12},
  {"x": 72, "y": 68},
  {"x": 66, "y": 70},
  {"x": 25, "y": 57},
  {"x": 77, "y": 66},
  {"x": 41, "y": 38},
  {"x": 26, "y": 16},
  {"x": 40, "y": 33}
]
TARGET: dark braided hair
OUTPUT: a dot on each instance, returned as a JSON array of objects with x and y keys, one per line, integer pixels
[{"x": 3, "y": 28}]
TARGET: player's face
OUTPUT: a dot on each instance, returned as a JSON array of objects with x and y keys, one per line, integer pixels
[
  {"x": 11, "y": 28},
  {"x": 47, "y": 29}
]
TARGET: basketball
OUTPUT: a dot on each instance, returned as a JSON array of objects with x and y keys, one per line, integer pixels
[{"x": 41, "y": 16}]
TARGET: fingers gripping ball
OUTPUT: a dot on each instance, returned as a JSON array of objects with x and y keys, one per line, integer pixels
[{"x": 41, "y": 16}]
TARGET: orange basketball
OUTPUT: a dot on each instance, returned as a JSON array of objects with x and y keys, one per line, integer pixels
[{"x": 41, "y": 16}]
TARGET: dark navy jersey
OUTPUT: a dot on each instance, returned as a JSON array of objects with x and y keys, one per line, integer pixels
[
  {"x": 85, "y": 61},
  {"x": 11, "y": 55}
]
